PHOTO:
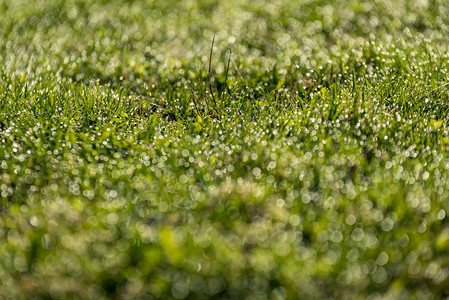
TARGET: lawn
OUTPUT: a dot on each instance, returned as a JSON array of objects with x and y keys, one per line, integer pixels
[{"x": 224, "y": 149}]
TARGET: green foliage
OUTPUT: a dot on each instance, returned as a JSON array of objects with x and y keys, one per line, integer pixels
[{"x": 320, "y": 170}]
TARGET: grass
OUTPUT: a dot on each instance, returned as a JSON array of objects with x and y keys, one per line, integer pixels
[{"x": 318, "y": 167}]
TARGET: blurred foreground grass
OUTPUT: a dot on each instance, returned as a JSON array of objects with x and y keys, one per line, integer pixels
[{"x": 319, "y": 171}]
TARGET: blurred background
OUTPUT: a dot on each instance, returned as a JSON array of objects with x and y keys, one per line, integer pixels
[{"x": 136, "y": 42}]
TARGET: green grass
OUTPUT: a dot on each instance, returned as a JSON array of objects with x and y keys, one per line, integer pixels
[{"x": 318, "y": 169}]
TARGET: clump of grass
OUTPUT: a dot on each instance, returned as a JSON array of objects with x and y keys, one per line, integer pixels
[{"x": 136, "y": 164}]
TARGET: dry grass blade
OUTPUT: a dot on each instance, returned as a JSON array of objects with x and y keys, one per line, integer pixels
[
  {"x": 227, "y": 72},
  {"x": 209, "y": 73}
]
